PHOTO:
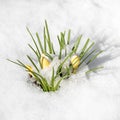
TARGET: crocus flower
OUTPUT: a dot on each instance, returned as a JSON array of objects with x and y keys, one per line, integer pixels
[
  {"x": 75, "y": 61},
  {"x": 44, "y": 61},
  {"x": 29, "y": 69}
]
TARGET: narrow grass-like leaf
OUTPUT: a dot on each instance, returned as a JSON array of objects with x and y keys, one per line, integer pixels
[
  {"x": 46, "y": 26},
  {"x": 58, "y": 83},
  {"x": 69, "y": 55},
  {"x": 38, "y": 57},
  {"x": 68, "y": 39},
  {"x": 49, "y": 46},
  {"x": 33, "y": 40},
  {"x": 33, "y": 63},
  {"x": 64, "y": 42},
  {"x": 60, "y": 51},
  {"x": 68, "y": 71},
  {"x": 40, "y": 44},
  {"x": 53, "y": 51},
  {"x": 14, "y": 62},
  {"x": 42, "y": 80},
  {"x": 94, "y": 57},
  {"x": 52, "y": 79},
  {"x": 45, "y": 47},
  {"x": 77, "y": 43},
  {"x": 46, "y": 85},
  {"x": 37, "y": 78},
  {"x": 49, "y": 56},
  {"x": 94, "y": 69},
  {"x": 61, "y": 65},
  {"x": 63, "y": 39},
  {"x": 89, "y": 47},
  {"x": 34, "y": 51},
  {"x": 87, "y": 57},
  {"x": 87, "y": 50},
  {"x": 22, "y": 64},
  {"x": 59, "y": 41},
  {"x": 48, "y": 38},
  {"x": 84, "y": 47}
]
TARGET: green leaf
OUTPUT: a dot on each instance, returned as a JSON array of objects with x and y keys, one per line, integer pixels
[
  {"x": 32, "y": 63},
  {"x": 34, "y": 50},
  {"x": 41, "y": 80},
  {"x": 53, "y": 51},
  {"x": 77, "y": 43},
  {"x": 22, "y": 64},
  {"x": 63, "y": 40},
  {"x": 52, "y": 80},
  {"x": 87, "y": 50},
  {"x": 40, "y": 44},
  {"x": 45, "y": 48},
  {"x": 60, "y": 51},
  {"x": 48, "y": 38},
  {"x": 94, "y": 69},
  {"x": 38, "y": 57},
  {"x": 87, "y": 56},
  {"x": 61, "y": 65},
  {"x": 33, "y": 41},
  {"x": 68, "y": 39},
  {"x": 58, "y": 83},
  {"x": 84, "y": 47},
  {"x": 94, "y": 57},
  {"x": 14, "y": 62}
]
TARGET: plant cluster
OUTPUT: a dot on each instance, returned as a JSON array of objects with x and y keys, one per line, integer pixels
[{"x": 45, "y": 53}]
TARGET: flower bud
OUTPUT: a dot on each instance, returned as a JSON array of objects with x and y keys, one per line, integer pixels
[
  {"x": 29, "y": 69},
  {"x": 44, "y": 61},
  {"x": 75, "y": 61}
]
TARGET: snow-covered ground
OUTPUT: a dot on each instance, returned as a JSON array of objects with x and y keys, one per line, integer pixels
[{"x": 79, "y": 98}]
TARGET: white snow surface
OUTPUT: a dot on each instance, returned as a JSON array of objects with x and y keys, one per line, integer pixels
[{"x": 79, "y": 98}]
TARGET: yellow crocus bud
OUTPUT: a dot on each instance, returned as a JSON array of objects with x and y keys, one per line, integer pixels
[
  {"x": 29, "y": 69},
  {"x": 75, "y": 61},
  {"x": 44, "y": 61}
]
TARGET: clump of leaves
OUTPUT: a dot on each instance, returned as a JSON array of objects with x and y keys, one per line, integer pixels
[{"x": 87, "y": 54}]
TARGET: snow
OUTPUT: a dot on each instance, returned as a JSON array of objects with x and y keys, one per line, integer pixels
[{"x": 79, "y": 98}]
